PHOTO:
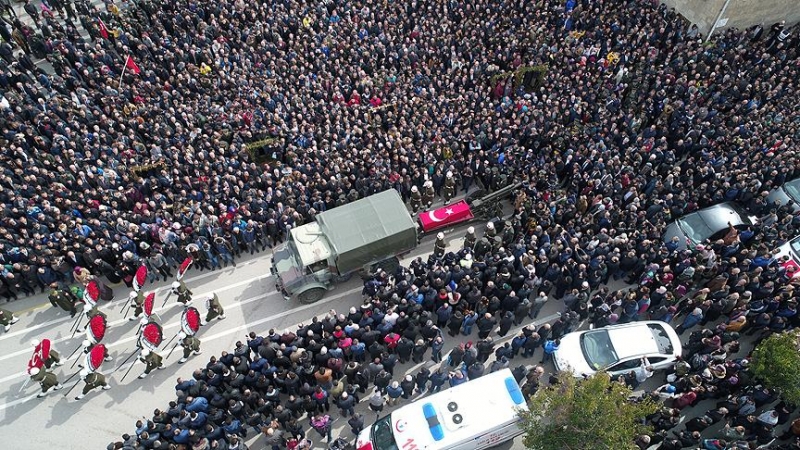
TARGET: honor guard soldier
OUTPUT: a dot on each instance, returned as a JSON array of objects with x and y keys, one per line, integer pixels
[
  {"x": 449, "y": 188},
  {"x": 482, "y": 247},
  {"x": 152, "y": 361},
  {"x": 45, "y": 350},
  {"x": 439, "y": 246},
  {"x": 184, "y": 294},
  {"x": 64, "y": 299},
  {"x": 416, "y": 199},
  {"x": 469, "y": 238},
  {"x": 214, "y": 308},
  {"x": 7, "y": 318},
  {"x": 489, "y": 232},
  {"x": 48, "y": 381},
  {"x": 138, "y": 301},
  {"x": 190, "y": 344},
  {"x": 93, "y": 381},
  {"x": 428, "y": 193}
]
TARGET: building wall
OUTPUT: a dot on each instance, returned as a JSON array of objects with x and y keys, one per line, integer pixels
[{"x": 740, "y": 13}]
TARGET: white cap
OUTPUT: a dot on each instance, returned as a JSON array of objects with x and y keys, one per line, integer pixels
[
  {"x": 440, "y": 235},
  {"x": 471, "y": 230},
  {"x": 181, "y": 335},
  {"x": 490, "y": 226},
  {"x": 449, "y": 174},
  {"x": 85, "y": 373},
  {"x": 143, "y": 321},
  {"x": 34, "y": 371},
  {"x": 175, "y": 285},
  {"x": 145, "y": 352},
  {"x": 35, "y": 342},
  {"x": 87, "y": 307},
  {"x": 414, "y": 189},
  {"x": 132, "y": 295},
  {"x": 85, "y": 343}
]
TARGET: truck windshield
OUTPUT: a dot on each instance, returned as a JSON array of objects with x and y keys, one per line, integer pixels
[{"x": 382, "y": 434}]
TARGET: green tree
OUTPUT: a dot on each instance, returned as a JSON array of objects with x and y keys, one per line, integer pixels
[
  {"x": 576, "y": 414},
  {"x": 776, "y": 363}
]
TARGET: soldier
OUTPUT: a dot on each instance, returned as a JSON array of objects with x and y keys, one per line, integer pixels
[
  {"x": 416, "y": 199},
  {"x": 138, "y": 303},
  {"x": 64, "y": 299},
  {"x": 53, "y": 358},
  {"x": 469, "y": 239},
  {"x": 489, "y": 232},
  {"x": 449, "y": 188},
  {"x": 508, "y": 234},
  {"x": 152, "y": 361},
  {"x": 428, "y": 193},
  {"x": 47, "y": 380},
  {"x": 88, "y": 345},
  {"x": 93, "y": 381},
  {"x": 482, "y": 247},
  {"x": 439, "y": 246},
  {"x": 184, "y": 294},
  {"x": 7, "y": 318},
  {"x": 214, "y": 308},
  {"x": 190, "y": 345}
]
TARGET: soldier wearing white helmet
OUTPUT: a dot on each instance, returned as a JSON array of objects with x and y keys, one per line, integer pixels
[
  {"x": 416, "y": 199},
  {"x": 490, "y": 232},
  {"x": 93, "y": 381},
  {"x": 428, "y": 193},
  {"x": 190, "y": 344},
  {"x": 449, "y": 190},
  {"x": 152, "y": 361},
  {"x": 47, "y": 380},
  {"x": 137, "y": 299},
  {"x": 184, "y": 294},
  {"x": 53, "y": 358},
  {"x": 7, "y": 318},
  {"x": 439, "y": 246},
  {"x": 470, "y": 238},
  {"x": 215, "y": 309}
]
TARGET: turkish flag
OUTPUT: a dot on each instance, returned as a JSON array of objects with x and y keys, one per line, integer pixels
[
  {"x": 792, "y": 268},
  {"x": 131, "y": 65},
  {"x": 444, "y": 216},
  {"x": 103, "y": 29}
]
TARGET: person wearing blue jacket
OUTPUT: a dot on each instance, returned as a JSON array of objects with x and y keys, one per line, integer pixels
[
  {"x": 691, "y": 320},
  {"x": 550, "y": 346}
]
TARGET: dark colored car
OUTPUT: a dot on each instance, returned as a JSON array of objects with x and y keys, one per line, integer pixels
[
  {"x": 788, "y": 192},
  {"x": 708, "y": 224}
]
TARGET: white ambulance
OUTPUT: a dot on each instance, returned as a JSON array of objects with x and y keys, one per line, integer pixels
[{"x": 474, "y": 415}]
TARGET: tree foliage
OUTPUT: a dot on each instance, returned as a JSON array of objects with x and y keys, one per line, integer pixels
[
  {"x": 584, "y": 414},
  {"x": 776, "y": 363}
]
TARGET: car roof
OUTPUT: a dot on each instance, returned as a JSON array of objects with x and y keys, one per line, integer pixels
[
  {"x": 718, "y": 216},
  {"x": 632, "y": 340}
]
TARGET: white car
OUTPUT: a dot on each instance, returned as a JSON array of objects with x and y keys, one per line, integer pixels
[
  {"x": 792, "y": 250},
  {"x": 618, "y": 349}
]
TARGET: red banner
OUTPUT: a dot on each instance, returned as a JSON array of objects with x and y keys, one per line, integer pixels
[{"x": 444, "y": 216}]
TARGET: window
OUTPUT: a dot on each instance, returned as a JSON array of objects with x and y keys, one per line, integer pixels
[
  {"x": 695, "y": 228},
  {"x": 597, "y": 349},
  {"x": 662, "y": 339},
  {"x": 625, "y": 366},
  {"x": 382, "y": 435}
]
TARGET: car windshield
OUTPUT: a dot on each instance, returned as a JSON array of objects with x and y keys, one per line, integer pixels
[
  {"x": 662, "y": 339},
  {"x": 695, "y": 228},
  {"x": 597, "y": 349},
  {"x": 382, "y": 435},
  {"x": 792, "y": 189},
  {"x": 795, "y": 244}
]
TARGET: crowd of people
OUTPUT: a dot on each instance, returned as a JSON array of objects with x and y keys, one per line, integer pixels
[{"x": 635, "y": 122}]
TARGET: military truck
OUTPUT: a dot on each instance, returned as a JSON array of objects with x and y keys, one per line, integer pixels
[{"x": 360, "y": 236}]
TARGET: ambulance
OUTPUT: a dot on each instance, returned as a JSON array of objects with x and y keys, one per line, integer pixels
[{"x": 474, "y": 415}]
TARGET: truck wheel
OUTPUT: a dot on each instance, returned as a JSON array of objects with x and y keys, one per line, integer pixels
[
  {"x": 312, "y": 295},
  {"x": 343, "y": 278}
]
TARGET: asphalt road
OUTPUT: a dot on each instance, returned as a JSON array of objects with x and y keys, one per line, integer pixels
[{"x": 251, "y": 303}]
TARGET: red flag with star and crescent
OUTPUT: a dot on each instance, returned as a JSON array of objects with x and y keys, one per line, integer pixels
[
  {"x": 444, "y": 216},
  {"x": 103, "y": 29},
  {"x": 132, "y": 66}
]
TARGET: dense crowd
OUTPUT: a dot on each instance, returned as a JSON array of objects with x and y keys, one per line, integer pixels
[{"x": 635, "y": 122}]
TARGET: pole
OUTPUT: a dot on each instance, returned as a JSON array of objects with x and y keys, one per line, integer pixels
[
  {"x": 170, "y": 341},
  {"x": 173, "y": 349},
  {"x": 74, "y": 362},
  {"x": 126, "y": 312},
  {"x": 24, "y": 385},
  {"x": 719, "y": 16},
  {"x": 74, "y": 351},
  {"x": 123, "y": 362},
  {"x": 73, "y": 387},
  {"x": 129, "y": 371},
  {"x": 71, "y": 376},
  {"x": 124, "y": 67},
  {"x": 169, "y": 294},
  {"x": 77, "y": 323}
]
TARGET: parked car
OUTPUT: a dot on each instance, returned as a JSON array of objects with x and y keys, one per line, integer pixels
[
  {"x": 788, "y": 192},
  {"x": 788, "y": 256},
  {"x": 618, "y": 349},
  {"x": 708, "y": 224}
]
